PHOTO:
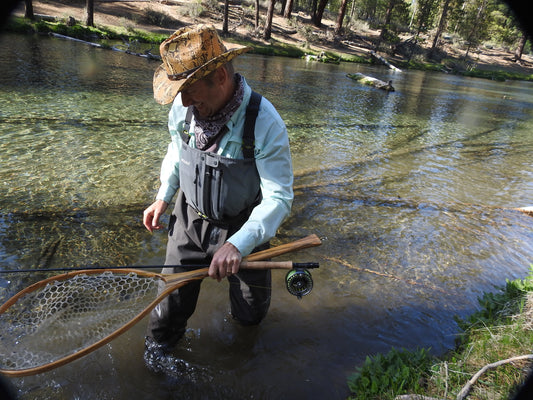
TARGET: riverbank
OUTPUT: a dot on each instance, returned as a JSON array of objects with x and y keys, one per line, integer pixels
[
  {"x": 491, "y": 360},
  {"x": 151, "y": 21}
]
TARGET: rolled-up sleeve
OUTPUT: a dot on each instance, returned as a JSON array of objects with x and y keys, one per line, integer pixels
[{"x": 169, "y": 175}]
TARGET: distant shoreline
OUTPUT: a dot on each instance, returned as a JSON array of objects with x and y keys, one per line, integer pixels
[{"x": 113, "y": 19}]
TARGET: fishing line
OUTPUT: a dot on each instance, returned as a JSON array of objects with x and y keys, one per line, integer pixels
[{"x": 383, "y": 274}]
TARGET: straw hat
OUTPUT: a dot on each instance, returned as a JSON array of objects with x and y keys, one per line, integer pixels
[{"x": 190, "y": 54}]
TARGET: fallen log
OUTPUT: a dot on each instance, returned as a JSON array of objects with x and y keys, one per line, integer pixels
[
  {"x": 43, "y": 17},
  {"x": 382, "y": 60},
  {"x": 371, "y": 81},
  {"x": 98, "y": 45}
]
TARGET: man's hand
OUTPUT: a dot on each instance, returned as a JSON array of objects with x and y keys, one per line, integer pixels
[
  {"x": 153, "y": 213},
  {"x": 225, "y": 262}
]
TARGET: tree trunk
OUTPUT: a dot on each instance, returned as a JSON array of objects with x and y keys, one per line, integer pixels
[
  {"x": 270, "y": 17},
  {"x": 282, "y": 8},
  {"x": 352, "y": 11},
  {"x": 287, "y": 13},
  {"x": 256, "y": 14},
  {"x": 388, "y": 17},
  {"x": 473, "y": 36},
  {"x": 442, "y": 25},
  {"x": 320, "y": 13},
  {"x": 89, "y": 13},
  {"x": 226, "y": 17},
  {"x": 28, "y": 13},
  {"x": 340, "y": 17},
  {"x": 313, "y": 7},
  {"x": 520, "y": 49}
]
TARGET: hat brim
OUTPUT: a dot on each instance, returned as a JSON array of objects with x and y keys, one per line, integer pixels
[{"x": 165, "y": 90}]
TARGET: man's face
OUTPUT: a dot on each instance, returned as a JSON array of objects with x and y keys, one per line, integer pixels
[{"x": 207, "y": 97}]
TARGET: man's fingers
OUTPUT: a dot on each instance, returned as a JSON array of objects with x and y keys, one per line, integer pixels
[
  {"x": 225, "y": 262},
  {"x": 152, "y": 215},
  {"x": 155, "y": 220},
  {"x": 147, "y": 221}
]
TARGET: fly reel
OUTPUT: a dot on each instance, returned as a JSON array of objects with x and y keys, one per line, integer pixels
[{"x": 299, "y": 281}]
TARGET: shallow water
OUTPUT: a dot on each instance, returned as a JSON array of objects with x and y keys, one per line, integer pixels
[{"x": 411, "y": 191}]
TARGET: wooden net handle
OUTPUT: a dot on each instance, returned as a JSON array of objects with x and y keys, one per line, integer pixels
[{"x": 306, "y": 242}]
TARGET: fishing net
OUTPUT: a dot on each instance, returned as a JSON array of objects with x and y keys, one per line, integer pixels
[
  {"x": 66, "y": 316},
  {"x": 62, "y": 318}
]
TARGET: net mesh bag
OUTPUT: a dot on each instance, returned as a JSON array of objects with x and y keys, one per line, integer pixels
[{"x": 67, "y": 316}]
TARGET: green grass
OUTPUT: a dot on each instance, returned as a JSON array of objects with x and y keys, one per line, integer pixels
[
  {"x": 22, "y": 25},
  {"x": 501, "y": 329},
  {"x": 498, "y": 75}
]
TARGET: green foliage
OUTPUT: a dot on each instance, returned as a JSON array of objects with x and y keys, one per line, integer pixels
[
  {"x": 385, "y": 376},
  {"x": 474, "y": 21},
  {"x": 356, "y": 59},
  {"x": 17, "y": 24},
  {"x": 195, "y": 9},
  {"x": 504, "y": 30},
  {"x": 497, "y": 308},
  {"x": 389, "y": 36},
  {"x": 426, "y": 15},
  {"x": 422, "y": 66},
  {"x": 401, "y": 16}
]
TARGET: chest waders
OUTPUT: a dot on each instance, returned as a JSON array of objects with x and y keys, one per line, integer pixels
[
  {"x": 216, "y": 197},
  {"x": 222, "y": 190}
]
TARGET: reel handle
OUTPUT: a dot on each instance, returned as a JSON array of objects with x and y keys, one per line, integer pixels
[
  {"x": 277, "y": 265},
  {"x": 298, "y": 280}
]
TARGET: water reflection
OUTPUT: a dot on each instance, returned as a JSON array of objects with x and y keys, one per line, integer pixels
[{"x": 412, "y": 192}]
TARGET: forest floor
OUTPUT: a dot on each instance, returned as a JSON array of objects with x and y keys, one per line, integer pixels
[{"x": 165, "y": 16}]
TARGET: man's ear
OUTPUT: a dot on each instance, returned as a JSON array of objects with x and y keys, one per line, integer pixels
[{"x": 221, "y": 75}]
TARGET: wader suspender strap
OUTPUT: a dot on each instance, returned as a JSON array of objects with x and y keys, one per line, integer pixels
[
  {"x": 248, "y": 137},
  {"x": 186, "y": 126}
]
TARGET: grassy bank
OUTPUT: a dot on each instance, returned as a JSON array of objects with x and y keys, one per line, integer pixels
[
  {"x": 275, "y": 48},
  {"x": 88, "y": 33},
  {"x": 501, "y": 330}
]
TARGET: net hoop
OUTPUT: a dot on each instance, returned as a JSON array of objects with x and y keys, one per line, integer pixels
[{"x": 172, "y": 281}]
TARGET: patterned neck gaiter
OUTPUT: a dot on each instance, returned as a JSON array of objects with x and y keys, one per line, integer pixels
[{"x": 207, "y": 130}]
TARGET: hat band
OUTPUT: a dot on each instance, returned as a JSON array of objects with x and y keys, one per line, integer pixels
[{"x": 181, "y": 75}]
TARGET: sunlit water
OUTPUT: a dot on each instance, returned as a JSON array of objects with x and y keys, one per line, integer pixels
[{"x": 412, "y": 193}]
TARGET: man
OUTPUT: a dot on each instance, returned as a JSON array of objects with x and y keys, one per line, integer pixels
[{"x": 234, "y": 174}]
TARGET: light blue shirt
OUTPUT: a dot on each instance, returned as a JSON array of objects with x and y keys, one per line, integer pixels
[{"x": 272, "y": 158}]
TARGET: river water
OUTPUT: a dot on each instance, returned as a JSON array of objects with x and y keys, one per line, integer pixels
[{"x": 412, "y": 193}]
